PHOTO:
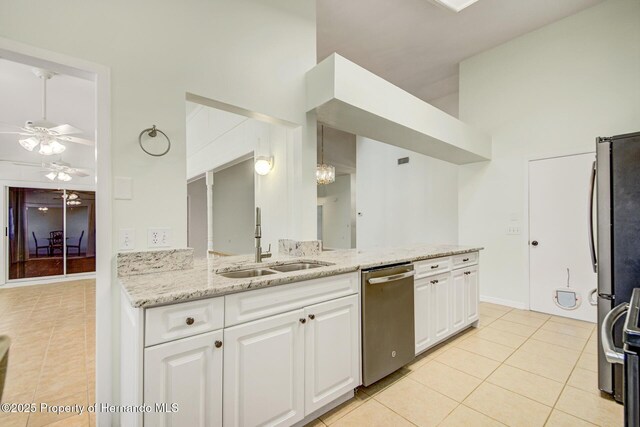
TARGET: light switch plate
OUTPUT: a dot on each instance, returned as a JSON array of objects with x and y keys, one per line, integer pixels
[
  {"x": 127, "y": 239},
  {"x": 122, "y": 188},
  {"x": 159, "y": 237}
]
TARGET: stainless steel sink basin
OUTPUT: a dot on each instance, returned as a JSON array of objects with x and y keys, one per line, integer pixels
[
  {"x": 296, "y": 266},
  {"x": 245, "y": 274}
]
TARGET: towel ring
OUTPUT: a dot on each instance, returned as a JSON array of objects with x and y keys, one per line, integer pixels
[{"x": 153, "y": 132}]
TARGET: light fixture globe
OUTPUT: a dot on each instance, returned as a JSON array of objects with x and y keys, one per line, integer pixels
[
  {"x": 29, "y": 143},
  {"x": 325, "y": 174},
  {"x": 263, "y": 165}
]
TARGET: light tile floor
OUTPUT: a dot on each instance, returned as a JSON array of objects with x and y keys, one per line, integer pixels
[
  {"x": 52, "y": 355},
  {"x": 518, "y": 368}
]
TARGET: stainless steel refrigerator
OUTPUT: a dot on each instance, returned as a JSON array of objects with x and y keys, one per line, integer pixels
[{"x": 617, "y": 174}]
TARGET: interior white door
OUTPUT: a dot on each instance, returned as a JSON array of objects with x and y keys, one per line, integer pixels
[
  {"x": 187, "y": 372},
  {"x": 264, "y": 371},
  {"x": 332, "y": 351},
  {"x": 559, "y": 248}
]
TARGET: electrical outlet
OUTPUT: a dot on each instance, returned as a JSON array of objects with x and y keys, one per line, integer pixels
[
  {"x": 159, "y": 237},
  {"x": 127, "y": 239},
  {"x": 513, "y": 229}
]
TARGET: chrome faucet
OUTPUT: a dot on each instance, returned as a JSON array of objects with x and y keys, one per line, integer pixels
[{"x": 258, "y": 235}]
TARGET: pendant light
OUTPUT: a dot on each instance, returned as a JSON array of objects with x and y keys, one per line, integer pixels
[{"x": 325, "y": 174}]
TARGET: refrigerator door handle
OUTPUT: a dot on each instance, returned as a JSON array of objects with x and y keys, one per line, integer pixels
[
  {"x": 592, "y": 243},
  {"x": 611, "y": 352}
]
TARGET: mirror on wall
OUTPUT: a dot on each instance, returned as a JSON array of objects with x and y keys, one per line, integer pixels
[
  {"x": 235, "y": 163},
  {"x": 336, "y": 201}
]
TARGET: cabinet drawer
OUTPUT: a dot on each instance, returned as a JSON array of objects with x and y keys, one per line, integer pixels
[
  {"x": 463, "y": 260},
  {"x": 432, "y": 266},
  {"x": 245, "y": 306},
  {"x": 181, "y": 320}
]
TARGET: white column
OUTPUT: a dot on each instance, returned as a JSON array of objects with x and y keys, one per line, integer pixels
[{"x": 209, "y": 183}]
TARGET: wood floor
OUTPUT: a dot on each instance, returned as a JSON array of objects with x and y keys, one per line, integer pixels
[{"x": 52, "y": 356}]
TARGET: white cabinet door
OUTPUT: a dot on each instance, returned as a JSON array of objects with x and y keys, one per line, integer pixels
[
  {"x": 458, "y": 297},
  {"x": 472, "y": 291},
  {"x": 441, "y": 307},
  {"x": 187, "y": 372},
  {"x": 264, "y": 371},
  {"x": 332, "y": 351},
  {"x": 422, "y": 297}
]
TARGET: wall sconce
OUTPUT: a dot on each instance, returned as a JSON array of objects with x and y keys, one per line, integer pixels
[{"x": 263, "y": 165}]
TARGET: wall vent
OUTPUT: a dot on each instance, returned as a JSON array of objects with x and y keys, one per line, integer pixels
[{"x": 403, "y": 161}]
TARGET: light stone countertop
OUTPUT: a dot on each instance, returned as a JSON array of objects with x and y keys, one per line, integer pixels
[{"x": 201, "y": 281}]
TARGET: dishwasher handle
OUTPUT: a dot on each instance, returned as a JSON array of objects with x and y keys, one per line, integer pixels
[{"x": 391, "y": 278}]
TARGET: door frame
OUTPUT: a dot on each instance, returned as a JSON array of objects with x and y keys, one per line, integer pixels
[
  {"x": 5, "y": 281},
  {"x": 526, "y": 229},
  {"x": 101, "y": 75}
]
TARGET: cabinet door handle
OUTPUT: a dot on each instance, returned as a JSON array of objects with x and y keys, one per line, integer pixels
[
  {"x": 434, "y": 282},
  {"x": 303, "y": 320},
  {"x": 218, "y": 344},
  {"x": 312, "y": 316},
  {"x": 435, "y": 266},
  {"x": 465, "y": 259},
  {"x": 190, "y": 321}
]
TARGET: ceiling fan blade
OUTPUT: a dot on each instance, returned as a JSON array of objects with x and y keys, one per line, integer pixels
[
  {"x": 79, "y": 172},
  {"x": 75, "y": 140},
  {"x": 65, "y": 130},
  {"x": 9, "y": 128}
]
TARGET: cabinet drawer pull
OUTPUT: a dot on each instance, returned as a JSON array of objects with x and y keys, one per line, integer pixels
[
  {"x": 312, "y": 316},
  {"x": 218, "y": 344},
  {"x": 190, "y": 320},
  {"x": 435, "y": 266},
  {"x": 434, "y": 281},
  {"x": 465, "y": 259},
  {"x": 303, "y": 320}
]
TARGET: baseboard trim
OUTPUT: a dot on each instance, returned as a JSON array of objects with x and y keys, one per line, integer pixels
[{"x": 508, "y": 303}]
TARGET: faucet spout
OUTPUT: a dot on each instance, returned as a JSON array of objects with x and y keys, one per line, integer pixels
[{"x": 258, "y": 236}]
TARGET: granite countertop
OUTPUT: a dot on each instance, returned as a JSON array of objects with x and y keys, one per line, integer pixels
[{"x": 203, "y": 280}]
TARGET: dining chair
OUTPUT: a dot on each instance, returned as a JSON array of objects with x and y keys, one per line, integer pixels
[
  {"x": 56, "y": 239},
  {"x": 76, "y": 246},
  {"x": 38, "y": 247}
]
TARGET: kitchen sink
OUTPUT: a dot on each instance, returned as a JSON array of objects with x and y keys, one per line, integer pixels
[
  {"x": 296, "y": 266},
  {"x": 244, "y": 274}
]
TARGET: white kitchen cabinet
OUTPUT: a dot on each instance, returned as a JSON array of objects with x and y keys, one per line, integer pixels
[
  {"x": 264, "y": 371},
  {"x": 458, "y": 299},
  {"x": 187, "y": 372},
  {"x": 423, "y": 301},
  {"x": 472, "y": 293},
  {"x": 332, "y": 351},
  {"x": 441, "y": 308}
]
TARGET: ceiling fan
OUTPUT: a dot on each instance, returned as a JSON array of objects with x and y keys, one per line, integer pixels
[
  {"x": 57, "y": 171},
  {"x": 49, "y": 136}
]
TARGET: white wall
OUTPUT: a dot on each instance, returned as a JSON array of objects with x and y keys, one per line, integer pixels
[
  {"x": 197, "y": 191},
  {"x": 252, "y": 54},
  {"x": 335, "y": 200},
  {"x": 234, "y": 209},
  {"x": 404, "y": 204},
  {"x": 549, "y": 92},
  {"x": 217, "y": 138}
]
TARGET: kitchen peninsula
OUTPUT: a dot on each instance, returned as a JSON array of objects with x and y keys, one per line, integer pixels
[{"x": 287, "y": 343}]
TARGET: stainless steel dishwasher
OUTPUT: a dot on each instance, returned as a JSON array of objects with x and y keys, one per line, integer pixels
[{"x": 388, "y": 333}]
